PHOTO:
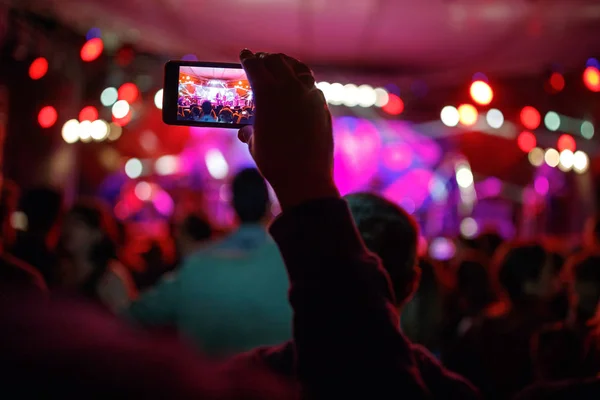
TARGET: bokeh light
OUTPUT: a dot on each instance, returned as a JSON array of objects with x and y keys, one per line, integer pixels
[
  {"x": 38, "y": 68},
  {"x": 557, "y": 82},
  {"x": 89, "y": 113},
  {"x": 85, "y": 131},
  {"x": 70, "y": 131},
  {"x": 442, "y": 249},
  {"x": 541, "y": 185},
  {"x": 134, "y": 168},
  {"x": 536, "y": 157},
  {"x": 47, "y": 117},
  {"x": 566, "y": 142},
  {"x": 494, "y": 118},
  {"x": 216, "y": 164},
  {"x": 92, "y": 49},
  {"x": 530, "y": 118},
  {"x": 394, "y": 106},
  {"x": 591, "y": 79},
  {"x": 120, "y": 109},
  {"x": 351, "y": 95},
  {"x": 158, "y": 99},
  {"x": 552, "y": 121},
  {"x": 166, "y": 165},
  {"x": 129, "y": 92},
  {"x": 481, "y": 93},
  {"x": 366, "y": 96},
  {"x": 450, "y": 116},
  {"x": 552, "y": 157},
  {"x": 335, "y": 94},
  {"x": 143, "y": 191},
  {"x": 114, "y": 132},
  {"x": 566, "y": 160},
  {"x": 587, "y": 129},
  {"x": 109, "y": 96},
  {"x": 469, "y": 228},
  {"x": 581, "y": 162},
  {"x": 526, "y": 141},
  {"x": 99, "y": 130},
  {"x": 382, "y": 97},
  {"x": 467, "y": 114},
  {"x": 93, "y": 33},
  {"x": 464, "y": 177}
]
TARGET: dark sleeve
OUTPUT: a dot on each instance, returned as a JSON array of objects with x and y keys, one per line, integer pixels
[{"x": 346, "y": 334}]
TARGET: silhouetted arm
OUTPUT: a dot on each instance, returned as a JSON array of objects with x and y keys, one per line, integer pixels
[{"x": 345, "y": 330}]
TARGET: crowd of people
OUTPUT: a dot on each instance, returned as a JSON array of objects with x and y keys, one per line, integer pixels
[{"x": 332, "y": 300}]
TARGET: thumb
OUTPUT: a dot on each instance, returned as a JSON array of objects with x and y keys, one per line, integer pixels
[{"x": 245, "y": 134}]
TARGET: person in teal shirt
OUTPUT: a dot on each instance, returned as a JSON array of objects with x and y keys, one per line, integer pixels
[{"x": 230, "y": 296}]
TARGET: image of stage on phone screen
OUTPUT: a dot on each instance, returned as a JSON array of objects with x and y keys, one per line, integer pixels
[{"x": 220, "y": 95}]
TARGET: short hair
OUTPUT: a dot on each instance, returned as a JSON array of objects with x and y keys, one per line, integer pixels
[
  {"x": 196, "y": 228},
  {"x": 585, "y": 268},
  {"x": 43, "y": 207},
  {"x": 250, "y": 195},
  {"x": 519, "y": 264},
  {"x": 392, "y": 234},
  {"x": 206, "y": 107}
]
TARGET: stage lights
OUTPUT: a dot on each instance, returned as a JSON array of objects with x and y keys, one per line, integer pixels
[
  {"x": 450, "y": 116},
  {"x": 47, "y": 117},
  {"x": 92, "y": 49},
  {"x": 70, "y": 131},
  {"x": 591, "y": 78},
  {"x": 38, "y": 68},
  {"x": 464, "y": 177},
  {"x": 581, "y": 162},
  {"x": 494, "y": 118},
  {"x": 351, "y": 95},
  {"x": 566, "y": 160},
  {"x": 166, "y": 165},
  {"x": 530, "y": 118},
  {"x": 158, "y": 99},
  {"x": 481, "y": 93},
  {"x": 552, "y": 157},
  {"x": 128, "y": 92},
  {"x": 467, "y": 114},
  {"x": 99, "y": 130},
  {"x": 536, "y": 157},
  {"x": 394, "y": 106},
  {"x": 526, "y": 141},
  {"x": 134, "y": 168},
  {"x": 587, "y": 129},
  {"x": 109, "y": 96},
  {"x": 469, "y": 228},
  {"x": 120, "y": 109},
  {"x": 566, "y": 142},
  {"x": 216, "y": 164},
  {"x": 89, "y": 113},
  {"x": 552, "y": 121}
]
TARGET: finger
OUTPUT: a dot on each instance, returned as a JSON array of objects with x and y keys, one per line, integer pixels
[
  {"x": 301, "y": 70},
  {"x": 255, "y": 70},
  {"x": 245, "y": 134},
  {"x": 282, "y": 71}
]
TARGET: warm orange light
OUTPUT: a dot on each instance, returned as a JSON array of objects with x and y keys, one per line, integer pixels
[
  {"x": 530, "y": 117},
  {"x": 526, "y": 141},
  {"x": 566, "y": 142},
  {"x": 47, "y": 117},
  {"x": 481, "y": 93},
  {"x": 89, "y": 113},
  {"x": 38, "y": 68},
  {"x": 394, "y": 106},
  {"x": 591, "y": 78},
  {"x": 92, "y": 49},
  {"x": 467, "y": 114},
  {"x": 128, "y": 92}
]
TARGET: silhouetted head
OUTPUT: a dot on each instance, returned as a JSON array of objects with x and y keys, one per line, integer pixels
[
  {"x": 474, "y": 285},
  {"x": 392, "y": 234},
  {"x": 87, "y": 224},
  {"x": 43, "y": 208},
  {"x": 191, "y": 232},
  {"x": 584, "y": 274},
  {"x": 206, "y": 107},
  {"x": 250, "y": 196},
  {"x": 225, "y": 115},
  {"x": 527, "y": 271}
]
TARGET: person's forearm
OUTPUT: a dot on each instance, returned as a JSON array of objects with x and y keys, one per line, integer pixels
[{"x": 345, "y": 330}]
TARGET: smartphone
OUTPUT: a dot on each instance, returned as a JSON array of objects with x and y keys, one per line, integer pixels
[{"x": 207, "y": 94}]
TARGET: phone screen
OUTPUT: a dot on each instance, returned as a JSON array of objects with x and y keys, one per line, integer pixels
[{"x": 214, "y": 95}]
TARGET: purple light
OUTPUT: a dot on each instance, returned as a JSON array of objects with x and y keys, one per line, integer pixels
[
  {"x": 442, "y": 249},
  {"x": 491, "y": 187},
  {"x": 189, "y": 57},
  {"x": 93, "y": 33},
  {"x": 592, "y": 62},
  {"x": 480, "y": 76},
  {"x": 413, "y": 185},
  {"x": 541, "y": 185}
]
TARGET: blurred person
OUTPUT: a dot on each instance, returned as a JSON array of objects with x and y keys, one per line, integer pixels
[
  {"x": 230, "y": 296},
  {"x": 226, "y": 116},
  {"x": 318, "y": 240},
  {"x": 192, "y": 234},
  {"x": 208, "y": 114},
  {"x": 14, "y": 272},
  {"x": 392, "y": 234},
  {"x": 494, "y": 353},
  {"x": 36, "y": 245},
  {"x": 91, "y": 266}
]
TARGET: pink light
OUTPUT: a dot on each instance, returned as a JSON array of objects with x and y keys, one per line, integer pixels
[
  {"x": 163, "y": 203},
  {"x": 357, "y": 152},
  {"x": 541, "y": 185},
  {"x": 413, "y": 186},
  {"x": 397, "y": 156}
]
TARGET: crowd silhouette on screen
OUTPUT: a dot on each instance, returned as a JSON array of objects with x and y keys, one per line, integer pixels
[{"x": 331, "y": 299}]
